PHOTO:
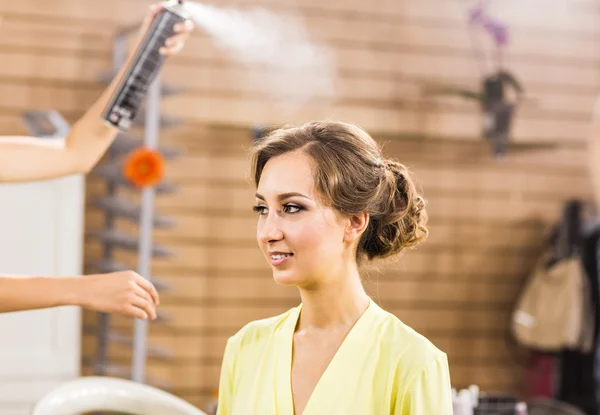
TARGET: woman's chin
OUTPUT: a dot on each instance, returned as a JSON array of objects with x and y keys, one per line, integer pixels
[{"x": 285, "y": 279}]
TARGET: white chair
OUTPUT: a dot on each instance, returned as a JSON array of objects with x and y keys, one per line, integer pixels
[{"x": 93, "y": 393}]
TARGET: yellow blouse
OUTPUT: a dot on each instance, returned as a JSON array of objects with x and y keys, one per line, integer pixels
[{"x": 382, "y": 367}]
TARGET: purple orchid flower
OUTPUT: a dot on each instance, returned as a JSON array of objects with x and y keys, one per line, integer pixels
[
  {"x": 497, "y": 30},
  {"x": 477, "y": 15}
]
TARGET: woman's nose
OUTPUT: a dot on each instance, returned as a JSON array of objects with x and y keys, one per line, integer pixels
[{"x": 269, "y": 229}]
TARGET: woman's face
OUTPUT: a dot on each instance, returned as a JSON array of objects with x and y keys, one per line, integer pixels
[{"x": 302, "y": 239}]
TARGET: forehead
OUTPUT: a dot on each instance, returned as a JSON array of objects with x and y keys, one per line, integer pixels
[{"x": 289, "y": 172}]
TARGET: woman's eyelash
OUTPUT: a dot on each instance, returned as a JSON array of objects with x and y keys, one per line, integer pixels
[
  {"x": 293, "y": 206},
  {"x": 286, "y": 208}
]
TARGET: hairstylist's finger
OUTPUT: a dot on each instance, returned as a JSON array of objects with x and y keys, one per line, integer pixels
[
  {"x": 174, "y": 45},
  {"x": 184, "y": 27},
  {"x": 177, "y": 39},
  {"x": 141, "y": 292},
  {"x": 144, "y": 304},
  {"x": 133, "y": 311},
  {"x": 148, "y": 287}
]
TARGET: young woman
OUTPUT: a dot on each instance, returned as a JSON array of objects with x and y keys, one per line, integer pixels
[
  {"x": 327, "y": 201},
  {"x": 30, "y": 158}
]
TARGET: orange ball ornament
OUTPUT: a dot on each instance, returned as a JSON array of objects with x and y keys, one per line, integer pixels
[{"x": 144, "y": 167}]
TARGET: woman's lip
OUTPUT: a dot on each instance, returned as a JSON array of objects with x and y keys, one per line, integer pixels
[{"x": 280, "y": 260}]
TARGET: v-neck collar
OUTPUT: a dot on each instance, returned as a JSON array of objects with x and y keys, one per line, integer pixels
[{"x": 285, "y": 400}]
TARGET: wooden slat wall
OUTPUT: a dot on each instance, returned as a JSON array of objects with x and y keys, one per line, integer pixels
[{"x": 487, "y": 219}]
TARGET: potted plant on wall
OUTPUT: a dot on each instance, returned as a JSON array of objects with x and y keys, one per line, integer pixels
[{"x": 500, "y": 91}]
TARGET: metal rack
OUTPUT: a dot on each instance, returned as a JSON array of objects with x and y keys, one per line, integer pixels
[
  {"x": 46, "y": 124},
  {"x": 113, "y": 206}
]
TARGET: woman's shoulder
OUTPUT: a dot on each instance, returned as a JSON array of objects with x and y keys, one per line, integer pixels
[
  {"x": 262, "y": 329},
  {"x": 411, "y": 349}
]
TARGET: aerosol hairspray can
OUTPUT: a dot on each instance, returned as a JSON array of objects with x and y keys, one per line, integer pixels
[{"x": 144, "y": 66}]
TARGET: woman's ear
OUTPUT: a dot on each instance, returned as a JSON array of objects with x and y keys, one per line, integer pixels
[{"x": 357, "y": 224}]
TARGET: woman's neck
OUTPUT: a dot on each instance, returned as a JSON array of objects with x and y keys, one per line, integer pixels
[{"x": 337, "y": 304}]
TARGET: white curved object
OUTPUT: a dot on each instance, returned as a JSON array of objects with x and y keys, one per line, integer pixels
[{"x": 111, "y": 394}]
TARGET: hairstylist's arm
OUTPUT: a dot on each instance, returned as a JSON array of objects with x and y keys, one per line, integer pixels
[
  {"x": 125, "y": 293},
  {"x": 29, "y": 158},
  {"x": 594, "y": 153}
]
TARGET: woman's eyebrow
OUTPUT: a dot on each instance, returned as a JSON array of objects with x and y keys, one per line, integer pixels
[{"x": 283, "y": 196}]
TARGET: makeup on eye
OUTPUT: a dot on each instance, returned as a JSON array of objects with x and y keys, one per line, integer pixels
[
  {"x": 297, "y": 208},
  {"x": 290, "y": 208},
  {"x": 259, "y": 209}
]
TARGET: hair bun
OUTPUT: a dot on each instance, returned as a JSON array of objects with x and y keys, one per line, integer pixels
[{"x": 401, "y": 218}]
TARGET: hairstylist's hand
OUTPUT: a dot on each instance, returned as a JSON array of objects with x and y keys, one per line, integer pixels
[
  {"x": 174, "y": 44},
  {"x": 124, "y": 292}
]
